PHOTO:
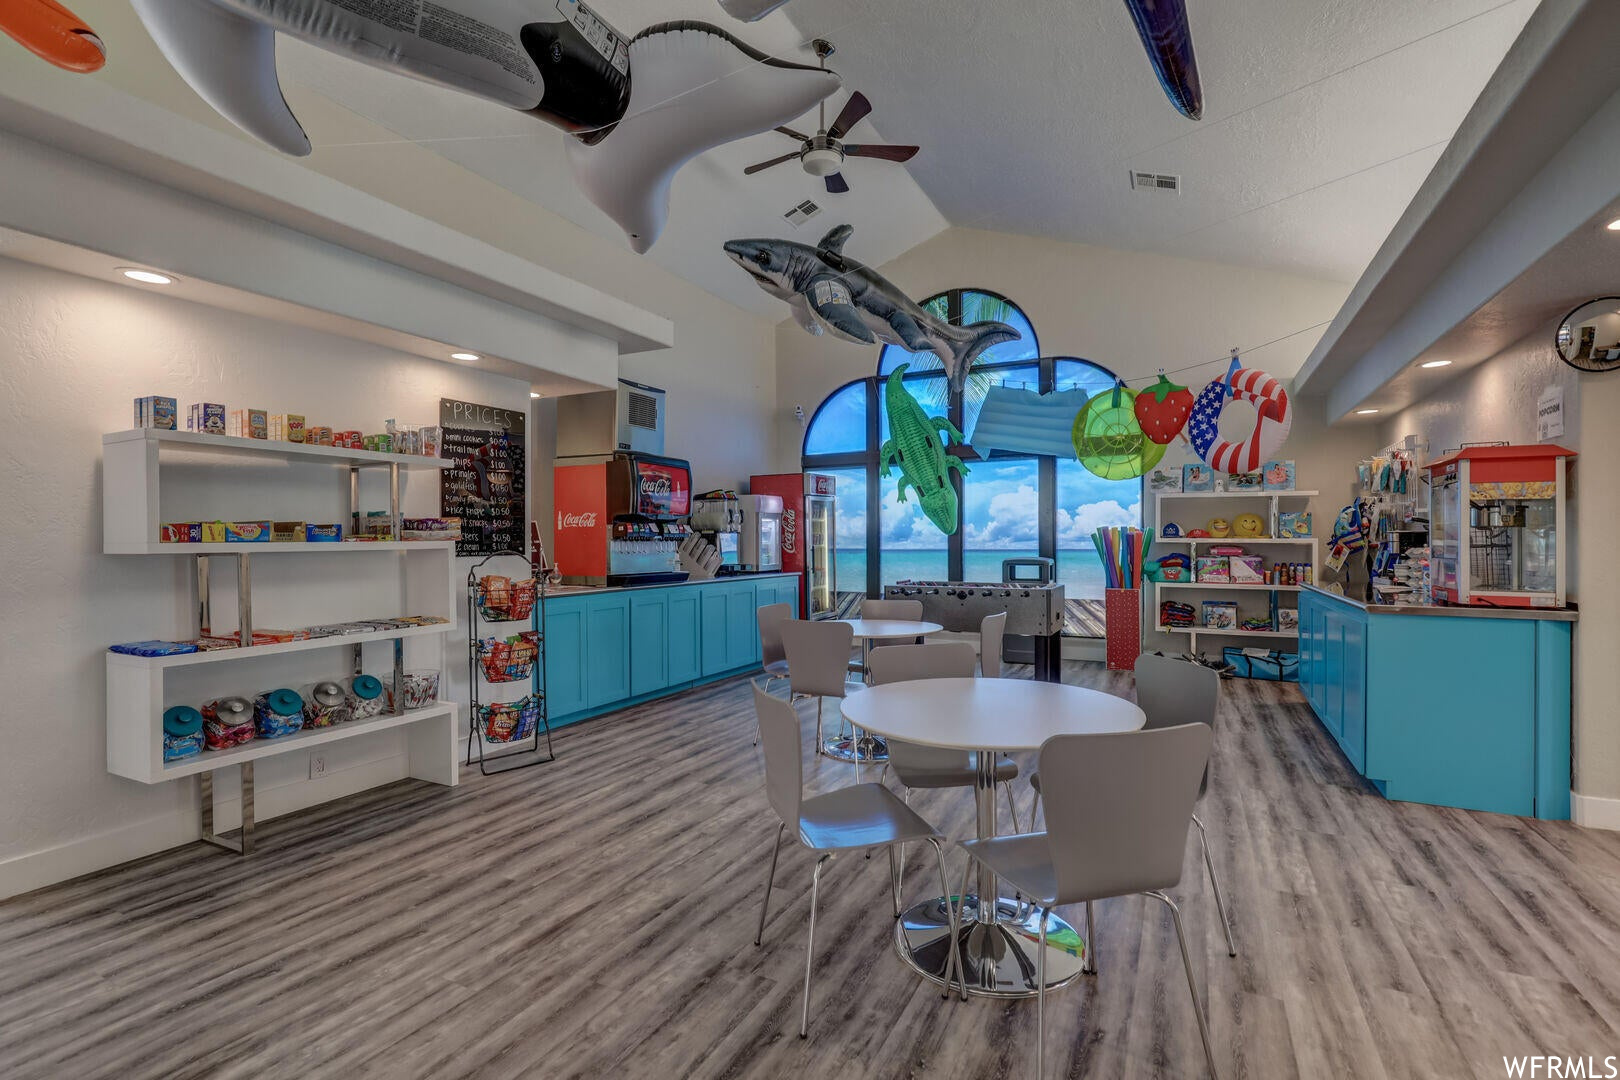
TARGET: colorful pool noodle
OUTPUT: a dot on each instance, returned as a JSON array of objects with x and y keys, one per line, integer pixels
[{"x": 1123, "y": 552}]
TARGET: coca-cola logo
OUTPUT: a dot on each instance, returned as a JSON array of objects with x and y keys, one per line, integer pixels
[
  {"x": 655, "y": 484},
  {"x": 576, "y": 521},
  {"x": 790, "y": 531}
]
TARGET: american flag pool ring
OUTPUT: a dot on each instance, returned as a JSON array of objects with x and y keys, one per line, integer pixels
[{"x": 1270, "y": 401}]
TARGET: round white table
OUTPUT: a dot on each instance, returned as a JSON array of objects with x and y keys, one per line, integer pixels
[
  {"x": 863, "y": 747},
  {"x": 996, "y": 942}
]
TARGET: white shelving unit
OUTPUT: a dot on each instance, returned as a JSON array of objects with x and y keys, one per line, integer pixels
[
  {"x": 1288, "y": 549},
  {"x": 140, "y": 688}
]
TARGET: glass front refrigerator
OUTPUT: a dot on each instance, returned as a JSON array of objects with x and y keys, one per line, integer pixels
[{"x": 820, "y": 567}]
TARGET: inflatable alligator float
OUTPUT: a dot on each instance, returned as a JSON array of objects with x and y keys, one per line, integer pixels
[{"x": 915, "y": 445}]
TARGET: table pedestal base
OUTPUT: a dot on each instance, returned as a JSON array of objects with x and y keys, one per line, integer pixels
[
  {"x": 866, "y": 749},
  {"x": 999, "y": 959}
]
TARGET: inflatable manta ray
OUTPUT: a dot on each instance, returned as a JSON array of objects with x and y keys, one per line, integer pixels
[
  {"x": 1162, "y": 25},
  {"x": 829, "y": 291},
  {"x": 638, "y": 108}
]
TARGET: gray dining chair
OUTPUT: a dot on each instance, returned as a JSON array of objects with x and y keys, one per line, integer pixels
[
  {"x": 1117, "y": 820},
  {"x": 862, "y": 816},
  {"x": 992, "y": 629},
  {"x": 1173, "y": 692},
  {"x": 773, "y": 657},
  {"x": 818, "y": 661}
]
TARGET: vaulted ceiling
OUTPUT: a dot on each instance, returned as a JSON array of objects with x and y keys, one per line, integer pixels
[{"x": 1322, "y": 117}]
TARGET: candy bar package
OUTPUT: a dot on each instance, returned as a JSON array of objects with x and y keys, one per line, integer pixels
[
  {"x": 212, "y": 532},
  {"x": 154, "y": 648},
  {"x": 431, "y": 528},
  {"x": 247, "y": 532},
  {"x": 206, "y": 417},
  {"x": 323, "y": 534},
  {"x": 288, "y": 532}
]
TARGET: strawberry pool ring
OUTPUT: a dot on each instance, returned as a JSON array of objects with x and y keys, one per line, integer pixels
[{"x": 1274, "y": 418}]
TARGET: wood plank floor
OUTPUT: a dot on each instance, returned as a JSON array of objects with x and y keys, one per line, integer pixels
[{"x": 594, "y": 918}]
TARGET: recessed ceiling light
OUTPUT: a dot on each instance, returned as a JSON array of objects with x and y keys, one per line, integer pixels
[
  {"x": 534, "y": 393},
  {"x": 469, "y": 357},
  {"x": 1614, "y": 226},
  {"x": 1435, "y": 363},
  {"x": 146, "y": 277},
  {"x": 1365, "y": 412}
]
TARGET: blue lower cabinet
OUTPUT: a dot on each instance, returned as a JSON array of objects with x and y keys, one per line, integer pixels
[
  {"x": 608, "y": 647},
  {"x": 565, "y": 655},
  {"x": 607, "y": 650},
  {"x": 683, "y": 647},
  {"x": 649, "y": 635},
  {"x": 1451, "y": 710}
]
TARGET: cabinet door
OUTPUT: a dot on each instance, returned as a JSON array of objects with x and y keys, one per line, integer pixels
[
  {"x": 607, "y": 650},
  {"x": 1332, "y": 711},
  {"x": 1353, "y": 695},
  {"x": 649, "y": 635},
  {"x": 565, "y": 656},
  {"x": 742, "y": 626},
  {"x": 1307, "y": 652},
  {"x": 713, "y": 619},
  {"x": 683, "y": 645}
]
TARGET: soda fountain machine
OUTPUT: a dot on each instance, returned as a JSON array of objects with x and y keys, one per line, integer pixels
[{"x": 619, "y": 519}]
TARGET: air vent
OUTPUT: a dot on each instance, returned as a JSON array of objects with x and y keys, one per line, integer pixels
[
  {"x": 1147, "y": 181},
  {"x": 802, "y": 213},
  {"x": 643, "y": 410}
]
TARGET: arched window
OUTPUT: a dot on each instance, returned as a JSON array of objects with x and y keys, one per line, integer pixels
[{"x": 1011, "y": 505}]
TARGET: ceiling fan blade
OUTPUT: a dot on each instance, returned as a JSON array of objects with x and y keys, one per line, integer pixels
[
  {"x": 752, "y": 169},
  {"x": 854, "y": 110},
  {"x": 881, "y": 150},
  {"x": 837, "y": 184},
  {"x": 790, "y": 133}
]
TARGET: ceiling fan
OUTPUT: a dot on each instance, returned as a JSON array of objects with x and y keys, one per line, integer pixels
[{"x": 823, "y": 153}]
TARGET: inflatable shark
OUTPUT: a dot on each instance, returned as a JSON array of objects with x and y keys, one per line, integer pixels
[
  {"x": 831, "y": 292},
  {"x": 637, "y": 108}
]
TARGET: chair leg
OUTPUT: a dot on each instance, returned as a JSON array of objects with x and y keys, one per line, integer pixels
[
  {"x": 1090, "y": 966},
  {"x": 1040, "y": 1002},
  {"x": 894, "y": 878},
  {"x": 818, "y": 725},
  {"x": 900, "y": 875},
  {"x": 1192, "y": 986},
  {"x": 961, "y": 913},
  {"x": 1215, "y": 886},
  {"x": 950, "y": 914},
  {"x": 1013, "y": 810},
  {"x": 1034, "y": 808},
  {"x": 810, "y": 946},
  {"x": 770, "y": 876}
]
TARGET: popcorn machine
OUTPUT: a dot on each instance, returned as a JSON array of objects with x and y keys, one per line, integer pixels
[{"x": 1498, "y": 526}]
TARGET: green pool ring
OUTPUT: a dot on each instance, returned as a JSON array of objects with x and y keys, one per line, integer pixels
[{"x": 1109, "y": 441}]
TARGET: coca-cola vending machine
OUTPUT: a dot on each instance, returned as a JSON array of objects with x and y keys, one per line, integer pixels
[
  {"x": 619, "y": 519},
  {"x": 808, "y": 529}
]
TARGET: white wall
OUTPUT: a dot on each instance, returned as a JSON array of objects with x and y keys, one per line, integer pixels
[
  {"x": 1497, "y": 400},
  {"x": 73, "y": 354}
]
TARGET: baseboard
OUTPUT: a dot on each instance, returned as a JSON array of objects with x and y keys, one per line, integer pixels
[
  {"x": 1593, "y": 811},
  {"x": 36, "y": 870}
]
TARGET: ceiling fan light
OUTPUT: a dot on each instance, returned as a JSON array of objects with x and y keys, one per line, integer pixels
[{"x": 822, "y": 161}]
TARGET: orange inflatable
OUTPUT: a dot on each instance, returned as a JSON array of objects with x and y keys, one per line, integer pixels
[{"x": 53, "y": 33}]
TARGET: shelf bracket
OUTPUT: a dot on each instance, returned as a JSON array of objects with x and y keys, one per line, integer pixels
[{"x": 243, "y": 843}]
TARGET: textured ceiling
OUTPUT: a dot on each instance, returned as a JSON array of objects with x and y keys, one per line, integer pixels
[{"x": 1322, "y": 118}]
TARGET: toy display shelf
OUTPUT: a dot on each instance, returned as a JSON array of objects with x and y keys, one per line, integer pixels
[
  {"x": 1235, "y": 586},
  {"x": 1196, "y": 540},
  {"x": 132, "y": 473},
  {"x": 1290, "y": 493},
  {"x": 216, "y": 656},
  {"x": 1196, "y": 630}
]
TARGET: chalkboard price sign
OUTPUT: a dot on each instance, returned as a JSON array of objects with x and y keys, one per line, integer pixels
[{"x": 485, "y": 486}]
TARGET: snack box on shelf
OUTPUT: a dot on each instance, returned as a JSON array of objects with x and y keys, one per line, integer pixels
[
  {"x": 156, "y": 412},
  {"x": 154, "y": 648},
  {"x": 288, "y": 532},
  {"x": 247, "y": 532},
  {"x": 180, "y": 532},
  {"x": 323, "y": 534},
  {"x": 435, "y": 528},
  {"x": 206, "y": 417}
]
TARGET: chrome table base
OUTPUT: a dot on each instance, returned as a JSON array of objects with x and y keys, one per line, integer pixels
[
  {"x": 864, "y": 748},
  {"x": 998, "y": 958}
]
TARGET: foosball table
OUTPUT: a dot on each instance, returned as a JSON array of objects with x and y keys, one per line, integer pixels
[{"x": 1033, "y": 611}]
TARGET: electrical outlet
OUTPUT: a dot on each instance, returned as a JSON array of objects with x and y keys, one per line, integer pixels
[{"x": 317, "y": 766}]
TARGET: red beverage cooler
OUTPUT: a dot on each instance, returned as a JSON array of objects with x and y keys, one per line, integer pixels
[{"x": 808, "y": 529}]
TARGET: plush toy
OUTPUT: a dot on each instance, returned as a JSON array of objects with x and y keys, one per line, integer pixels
[
  {"x": 693, "y": 87},
  {"x": 915, "y": 445},
  {"x": 1219, "y": 528},
  {"x": 1249, "y": 526},
  {"x": 53, "y": 33},
  {"x": 829, "y": 291}
]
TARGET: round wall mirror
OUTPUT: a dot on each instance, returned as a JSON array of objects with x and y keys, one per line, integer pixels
[{"x": 1589, "y": 337}]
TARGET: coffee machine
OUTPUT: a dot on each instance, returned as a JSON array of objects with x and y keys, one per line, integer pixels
[
  {"x": 619, "y": 519},
  {"x": 745, "y": 529}
]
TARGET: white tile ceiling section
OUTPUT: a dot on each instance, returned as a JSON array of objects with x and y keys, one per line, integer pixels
[
  {"x": 1321, "y": 116},
  {"x": 712, "y": 200}
]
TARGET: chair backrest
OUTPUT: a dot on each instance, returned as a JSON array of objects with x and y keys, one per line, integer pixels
[
  {"x": 991, "y": 631},
  {"x": 907, "y": 663},
  {"x": 1173, "y": 691},
  {"x": 784, "y": 767},
  {"x": 771, "y": 617},
  {"x": 817, "y": 655},
  {"x": 1118, "y": 807},
  {"x": 892, "y": 609}
]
